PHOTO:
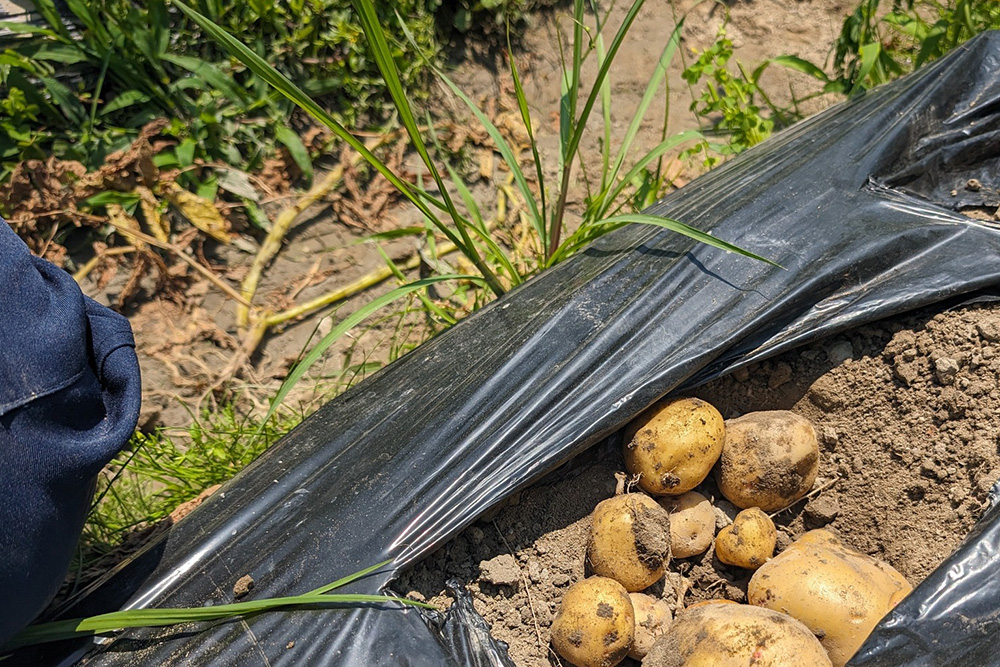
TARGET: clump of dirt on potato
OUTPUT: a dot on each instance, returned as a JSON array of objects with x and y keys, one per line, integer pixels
[{"x": 908, "y": 428}]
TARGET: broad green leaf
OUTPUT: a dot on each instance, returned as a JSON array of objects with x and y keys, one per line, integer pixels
[
  {"x": 797, "y": 64},
  {"x": 125, "y": 99},
  {"x": 26, "y": 29},
  {"x": 296, "y": 149},
  {"x": 210, "y": 74},
  {"x": 65, "y": 100}
]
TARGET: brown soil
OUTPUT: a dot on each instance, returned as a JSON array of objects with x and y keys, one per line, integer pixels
[{"x": 908, "y": 422}]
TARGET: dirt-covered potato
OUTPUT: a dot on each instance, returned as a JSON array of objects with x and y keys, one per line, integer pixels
[
  {"x": 838, "y": 593},
  {"x": 595, "y": 624},
  {"x": 735, "y": 635},
  {"x": 629, "y": 540},
  {"x": 673, "y": 445},
  {"x": 748, "y": 541},
  {"x": 692, "y": 523},
  {"x": 652, "y": 619},
  {"x": 770, "y": 459}
]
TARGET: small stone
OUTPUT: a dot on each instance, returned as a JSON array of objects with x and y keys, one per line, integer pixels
[
  {"x": 741, "y": 374},
  {"x": 929, "y": 469},
  {"x": 840, "y": 352},
  {"x": 560, "y": 579},
  {"x": 828, "y": 436},
  {"x": 290, "y": 645},
  {"x": 501, "y": 570},
  {"x": 989, "y": 330},
  {"x": 823, "y": 393},
  {"x": 946, "y": 369},
  {"x": 954, "y": 193},
  {"x": 907, "y": 373},
  {"x": 534, "y": 571},
  {"x": 820, "y": 511},
  {"x": 781, "y": 374},
  {"x": 243, "y": 586},
  {"x": 973, "y": 185}
]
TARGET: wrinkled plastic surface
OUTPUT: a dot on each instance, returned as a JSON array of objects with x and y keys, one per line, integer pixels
[{"x": 856, "y": 205}]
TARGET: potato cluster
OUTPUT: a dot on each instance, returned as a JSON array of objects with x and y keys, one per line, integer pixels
[{"x": 813, "y": 604}]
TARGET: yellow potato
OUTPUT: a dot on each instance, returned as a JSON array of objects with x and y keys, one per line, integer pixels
[
  {"x": 595, "y": 624},
  {"x": 629, "y": 540},
  {"x": 748, "y": 541},
  {"x": 692, "y": 524},
  {"x": 673, "y": 445},
  {"x": 770, "y": 460},
  {"x": 652, "y": 619},
  {"x": 838, "y": 593},
  {"x": 735, "y": 635}
]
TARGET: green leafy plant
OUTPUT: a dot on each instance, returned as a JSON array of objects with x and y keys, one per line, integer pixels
[
  {"x": 876, "y": 46},
  {"x": 131, "y": 64}
]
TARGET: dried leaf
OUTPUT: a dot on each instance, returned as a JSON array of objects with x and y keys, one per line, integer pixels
[
  {"x": 157, "y": 224},
  {"x": 199, "y": 212},
  {"x": 123, "y": 221}
]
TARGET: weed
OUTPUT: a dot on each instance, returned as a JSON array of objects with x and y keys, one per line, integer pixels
[{"x": 876, "y": 46}]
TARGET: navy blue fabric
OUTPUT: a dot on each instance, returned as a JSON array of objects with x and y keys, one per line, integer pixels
[{"x": 69, "y": 401}]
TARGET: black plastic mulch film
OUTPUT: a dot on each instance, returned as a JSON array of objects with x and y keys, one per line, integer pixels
[{"x": 856, "y": 203}]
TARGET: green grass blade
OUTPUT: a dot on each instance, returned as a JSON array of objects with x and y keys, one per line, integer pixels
[
  {"x": 686, "y": 230},
  {"x": 463, "y": 191},
  {"x": 152, "y": 618},
  {"x": 605, "y": 114},
  {"x": 349, "y": 578},
  {"x": 505, "y": 150},
  {"x": 602, "y": 74},
  {"x": 659, "y": 74},
  {"x": 645, "y": 160},
  {"x": 429, "y": 305},
  {"x": 346, "y": 325},
  {"x": 522, "y": 105},
  {"x": 379, "y": 47},
  {"x": 283, "y": 85},
  {"x": 47, "y": 8}
]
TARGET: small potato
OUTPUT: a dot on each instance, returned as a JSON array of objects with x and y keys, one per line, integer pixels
[
  {"x": 595, "y": 624},
  {"x": 673, "y": 445},
  {"x": 652, "y": 619},
  {"x": 748, "y": 541},
  {"x": 692, "y": 524},
  {"x": 735, "y": 635},
  {"x": 838, "y": 593},
  {"x": 770, "y": 460},
  {"x": 629, "y": 540}
]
